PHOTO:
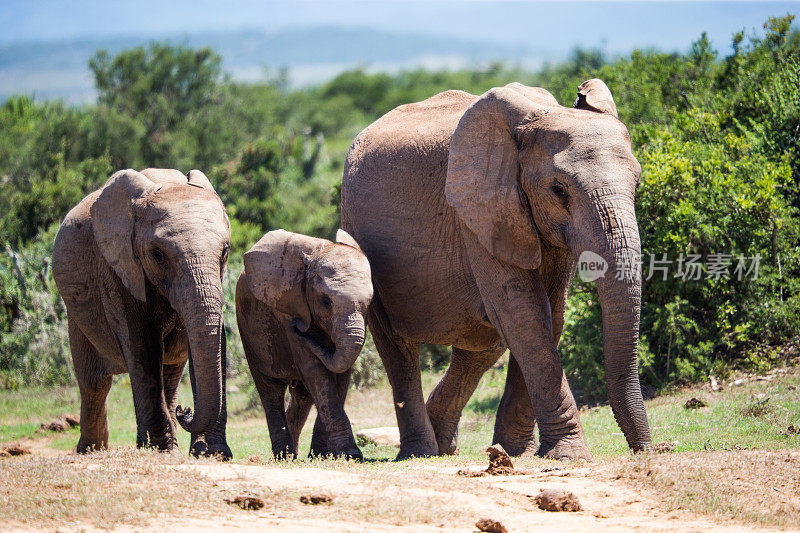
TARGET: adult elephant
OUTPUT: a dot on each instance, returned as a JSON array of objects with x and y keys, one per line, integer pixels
[
  {"x": 472, "y": 211},
  {"x": 139, "y": 264}
]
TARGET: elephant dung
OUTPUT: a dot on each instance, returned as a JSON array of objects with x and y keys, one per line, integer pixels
[
  {"x": 316, "y": 499},
  {"x": 499, "y": 464},
  {"x": 694, "y": 403},
  {"x": 248, "y": 503},
  {"x": 383, "y": 436},
  {"x": 62, "y": 423},
  {"x": 490, "y": 526},
  {"x": 558, "y": 500},
  {"x": 664, "y": 447},
  {"x": 14, "y": 450}
]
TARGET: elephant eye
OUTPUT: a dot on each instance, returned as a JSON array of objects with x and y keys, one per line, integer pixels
[
  {"x": 325, "y": 300},
  {"x": 559, "y": 190},
  {"x": 158, "y": 256}
]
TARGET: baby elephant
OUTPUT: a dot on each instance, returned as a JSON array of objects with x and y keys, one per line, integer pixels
[{"x": 300, "y": 305}]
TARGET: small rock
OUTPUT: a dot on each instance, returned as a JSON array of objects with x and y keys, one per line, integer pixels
[
  {"x": 383, "y": 436},
  {"x": 714, "y": 385},
  {"x": 13, "y": 450},
  {"x": 490, "y": 526},
  {"x": 664, "y": 447},
  {"x": 248, "y": 503},
  {"x": 558, "y": 500},
  {"x": 737, "y": 383},
  {"x": 694, "y": 403},
  {"x": 316, "y": 499}
]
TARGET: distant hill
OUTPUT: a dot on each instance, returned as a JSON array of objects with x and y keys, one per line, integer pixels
[{"x": 59, "y": 69}]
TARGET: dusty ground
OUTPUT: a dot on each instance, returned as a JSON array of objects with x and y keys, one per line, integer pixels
[
  {"x": 148, "y": 491},
  {"x": 733, "y": 464}
]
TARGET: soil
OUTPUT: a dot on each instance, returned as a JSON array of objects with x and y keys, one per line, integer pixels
[{"x": 600, "y": 498}]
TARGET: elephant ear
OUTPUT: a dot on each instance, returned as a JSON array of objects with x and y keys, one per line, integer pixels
[
  {"x": 165, "y": 176},
  {"x": 113, "y": 226},
  {"x": 535, "y": 94},
  {"x": 276, "y": 272},
  {"x": 198, "y": 179},
  {"x": 594, "y": 95},
  {"x": 483, "y": 177},
  {"x": 342, "y": 237}
]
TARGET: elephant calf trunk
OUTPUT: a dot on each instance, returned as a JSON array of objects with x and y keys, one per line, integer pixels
[{"x": 348, "y": 336}]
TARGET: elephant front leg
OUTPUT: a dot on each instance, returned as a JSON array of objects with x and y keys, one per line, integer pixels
[
  {"x": 515, "y": 424},
  {"x": 518, "y": 306},
  {"x": 447, "y": 400},
  {"x": 333, "y": 434},
  {"x": 272, "y": 391},
  {"x": 153, "y": 423},
  {"x": 214, "y": 442}
]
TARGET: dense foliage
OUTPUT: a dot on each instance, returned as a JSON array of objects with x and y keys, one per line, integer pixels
[{"x": 717, "y": 139}]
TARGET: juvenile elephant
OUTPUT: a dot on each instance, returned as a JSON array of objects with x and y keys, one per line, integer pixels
[
  {"x": 473, "y": 211},
  {"x": 139, "y": 264},
  {"x": 301, "y": 305}
]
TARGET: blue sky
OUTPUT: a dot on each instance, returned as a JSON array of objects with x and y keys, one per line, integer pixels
[{"x": 616, "y": 26}]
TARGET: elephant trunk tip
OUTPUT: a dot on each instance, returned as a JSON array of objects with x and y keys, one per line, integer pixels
[{"x": 185, "y": 418}]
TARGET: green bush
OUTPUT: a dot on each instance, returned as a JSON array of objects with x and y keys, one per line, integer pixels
[{"x": 717, "y": 138}]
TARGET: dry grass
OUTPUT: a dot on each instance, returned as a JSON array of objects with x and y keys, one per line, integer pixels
[
  {"x": 123, "y": 485},
  {"x": 744, "y": 485}
]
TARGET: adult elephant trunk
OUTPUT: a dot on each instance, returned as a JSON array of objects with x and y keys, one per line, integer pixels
[
  {"x": 620, "y": 292},
  {"x": 200, "y": 306},
  {"x": 348, "y": 335}
]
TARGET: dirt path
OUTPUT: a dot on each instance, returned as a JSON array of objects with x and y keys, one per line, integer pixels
[
  {"x": 609, "y": 504},
  {"x": 424, "y": 495}
]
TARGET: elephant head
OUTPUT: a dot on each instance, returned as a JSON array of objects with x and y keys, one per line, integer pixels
[
  {"x": 523, "y": 171},
  {"x": 325, "y": 288},
  {"x": 166, "y": 234}
]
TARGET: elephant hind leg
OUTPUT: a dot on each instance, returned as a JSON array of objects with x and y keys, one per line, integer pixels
[
  {"x": 300, "y": 404},
  {"x": 515, "y": 424},
  {"x": 401, "y": 361},
  {"x": 448, "y": 399},
  {"x": 94, "y": 384}
]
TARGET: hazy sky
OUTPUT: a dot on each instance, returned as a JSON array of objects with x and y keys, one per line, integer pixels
[{"x": 619, "y": 26}]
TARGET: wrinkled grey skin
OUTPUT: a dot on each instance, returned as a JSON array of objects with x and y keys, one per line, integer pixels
[
  {"x": 301, "y": 305},
  {"x": 139, "y": 265},
  {"x": 473, "y": 211}
]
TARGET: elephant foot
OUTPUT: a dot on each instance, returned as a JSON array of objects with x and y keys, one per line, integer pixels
[
  {"x": 446, "y": 436},
  {"x": 352, "y": 454},
  {"x": 217, "y": 449},
  {"x": 565, "y": 449},
  {"x": 417, "y": 448},
  {"x": 284, "y": 453},
  {"x": 88, "y": 445},
  {"x": 516, "y": 447},
  {"x": 162, "y": 443},
  {"x": 349, "y": 452}
]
